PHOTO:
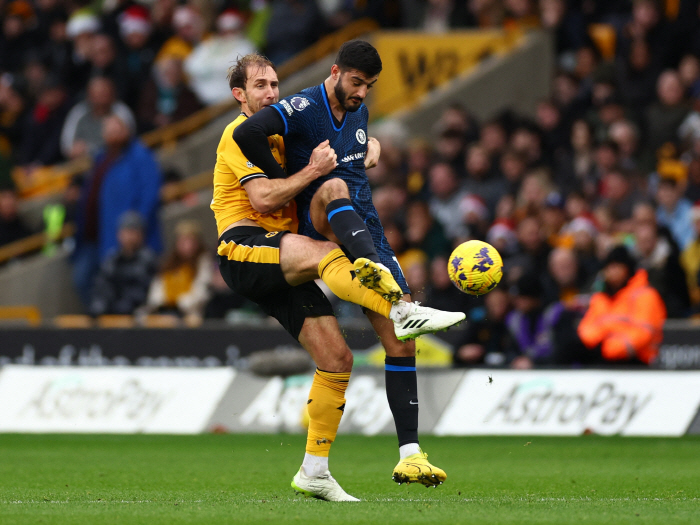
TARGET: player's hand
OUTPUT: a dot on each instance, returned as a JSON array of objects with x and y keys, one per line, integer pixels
[
  {"x": 323, "y": 159},
  {"x": 373, "y": 151}
]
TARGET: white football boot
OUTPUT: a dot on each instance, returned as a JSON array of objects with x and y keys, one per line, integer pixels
[
  {"x": 322, "y": 487},
  {"x": 412, "y": 320}
]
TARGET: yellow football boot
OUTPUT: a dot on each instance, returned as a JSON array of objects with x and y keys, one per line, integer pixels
[
  {"x": 417, "y": 469},
  {"x": 377, "y": 277}
]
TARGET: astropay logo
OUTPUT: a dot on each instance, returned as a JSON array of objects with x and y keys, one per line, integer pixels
[{"x": 606, "y": 408}]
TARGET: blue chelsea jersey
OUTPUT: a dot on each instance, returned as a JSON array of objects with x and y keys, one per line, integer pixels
[{"x": 308, "y": 121}]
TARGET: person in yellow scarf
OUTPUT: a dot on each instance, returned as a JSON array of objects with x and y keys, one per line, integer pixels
[{"x": 181, "y": 285}]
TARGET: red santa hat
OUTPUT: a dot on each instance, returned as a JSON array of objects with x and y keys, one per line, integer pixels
[
  {"x": 229, "y": 20},
  {"x": 134, "y": 20}
]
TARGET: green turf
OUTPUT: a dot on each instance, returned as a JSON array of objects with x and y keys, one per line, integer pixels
[{"x": 221, "y": 479}]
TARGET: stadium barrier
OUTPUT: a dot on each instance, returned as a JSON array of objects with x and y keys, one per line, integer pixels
[
  {"x": 222, "y": 399},
  {"x": 80, "y": 343}
]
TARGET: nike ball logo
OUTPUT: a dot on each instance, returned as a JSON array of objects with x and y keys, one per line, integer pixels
[
  {"x": 413, "y": 402},
  {"x": 355, "y": 233}
]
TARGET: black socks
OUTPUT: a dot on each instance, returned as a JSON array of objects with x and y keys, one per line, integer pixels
[
  {"x": 402, "y": 393},
  {"x": 351, "y": 230}
]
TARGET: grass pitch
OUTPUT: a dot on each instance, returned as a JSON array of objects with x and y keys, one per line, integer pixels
[{"x": 222, "y": 479}]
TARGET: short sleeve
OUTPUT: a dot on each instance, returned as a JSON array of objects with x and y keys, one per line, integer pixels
[
  {"x": 240, "y": 166},
  {"x": 298, "y": 113}
]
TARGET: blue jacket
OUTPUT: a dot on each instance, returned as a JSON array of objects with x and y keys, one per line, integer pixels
[{"x": 132, "y": 183}]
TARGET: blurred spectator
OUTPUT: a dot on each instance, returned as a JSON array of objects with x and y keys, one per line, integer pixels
[
  {"x": 487, "y": 340},
  {"x": 625, "y": 320},
  {"x": 182, "y": 284},
  {"x": 674, "y": 211},
  {"x": 563, "y": 281},
  {"x": 13, "y": 110},
  {"x": 189, "y": 28},
  {"x": 81, "y": 27},
  {"x": 105, "y": 62},
  {"x": 566, "y": 24},
  {"x": 165, "y": 97},
  {"x": 442, "y": 293},
  {"x": 446, "y": 200},
  {"x": 659, "y": 256},
  {"x": 664, "y": 117},
  {"x": 138, "y": 50},
  {"x": 125, "y": 176},
  {"x": 637, "y": 74},
  {"x": 41, "y": 132},
  {"x": 424, "y": 232},
  {"x": 15, "y": 38},
  {"x": 214, "y": 55},
  {"x": 533, "y": 252},
  {"x": 690, "y": 259},
  {"x": 619, "y": 194},
  {"x": 481, "y": 179},
  {"x": 625, "y": 134},
  {"x": 82, "y": 131},
  {"x": 12, "y": 228},
  {"x": 294, "y": 25},
  {"x": 121, "y": 285},
  {"x": 575, "y": 168},
  {"x": 531, "y": 324}
]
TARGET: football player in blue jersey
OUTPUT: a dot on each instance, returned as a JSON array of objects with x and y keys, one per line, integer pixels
[{"x": 339, "y": 207}]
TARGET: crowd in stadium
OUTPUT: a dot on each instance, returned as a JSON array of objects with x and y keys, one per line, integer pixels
[{"x": 613, "y": 157}]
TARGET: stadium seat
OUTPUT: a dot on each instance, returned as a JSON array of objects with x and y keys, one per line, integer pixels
[
  {"x": 73, "y": 321},
  {"x": 29, "y": 314},
  {"x": 115, "y": 321}
]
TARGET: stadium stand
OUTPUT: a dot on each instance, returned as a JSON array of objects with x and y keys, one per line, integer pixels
[{"x": 567, "y": 128}]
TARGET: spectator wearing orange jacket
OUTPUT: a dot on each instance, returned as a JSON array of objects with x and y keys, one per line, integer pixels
[{"x": 626, "y": 319}]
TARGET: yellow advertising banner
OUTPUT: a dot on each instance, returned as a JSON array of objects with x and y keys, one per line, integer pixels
[{"x": 415, "y": 63}]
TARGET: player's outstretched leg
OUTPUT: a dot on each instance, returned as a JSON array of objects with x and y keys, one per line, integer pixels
[{"x": 412, "y": 320}]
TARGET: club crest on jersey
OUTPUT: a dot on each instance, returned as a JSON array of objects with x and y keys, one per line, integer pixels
[
  {"x": 300, "y": 103},
  {"x": 361, "y": 136},
  {"x": 286, "y": 107}
]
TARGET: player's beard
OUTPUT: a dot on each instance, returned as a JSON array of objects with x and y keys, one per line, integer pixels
[{"x": 342, "y": 96}]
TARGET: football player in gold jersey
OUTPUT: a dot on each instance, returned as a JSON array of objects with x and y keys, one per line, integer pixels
[{"x": 262, "y": 258}]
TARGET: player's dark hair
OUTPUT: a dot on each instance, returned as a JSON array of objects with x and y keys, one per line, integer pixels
[
  {"x": 359, "y": 55},
  {"x": 238, "y": 73}
]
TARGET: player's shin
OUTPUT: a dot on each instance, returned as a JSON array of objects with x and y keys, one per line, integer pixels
[
  {"x": 336, "y": 270},
  {"x": 402, "y": 394},
  {"x": 325, "y": 405},
  {"x": 351, "y": 230}
]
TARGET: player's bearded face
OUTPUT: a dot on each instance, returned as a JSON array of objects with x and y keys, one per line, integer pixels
[{"x": 349, "y": 96}]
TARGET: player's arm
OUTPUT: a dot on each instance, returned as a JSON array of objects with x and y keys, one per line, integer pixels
[
  {"x": 268, "y": 195},
  {"x": 373, "y": 151}
]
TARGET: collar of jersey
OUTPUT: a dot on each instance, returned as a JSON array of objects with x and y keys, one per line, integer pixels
[{"x": 330, "y": 113}]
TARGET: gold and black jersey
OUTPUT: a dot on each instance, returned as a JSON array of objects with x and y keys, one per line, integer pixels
[{"x": 232, "y": 171}]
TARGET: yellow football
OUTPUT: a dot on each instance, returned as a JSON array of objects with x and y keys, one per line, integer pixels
[{"x": 475, "y": 267}]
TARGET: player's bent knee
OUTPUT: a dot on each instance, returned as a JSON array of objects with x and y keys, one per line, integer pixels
[{"x": 334, "y": 189}]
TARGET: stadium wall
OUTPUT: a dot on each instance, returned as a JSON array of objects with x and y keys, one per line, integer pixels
[{"x": 221, "y": 399}]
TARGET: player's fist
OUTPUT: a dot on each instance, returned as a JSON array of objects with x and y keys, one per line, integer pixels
[{"x": 323, "y": 158}]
